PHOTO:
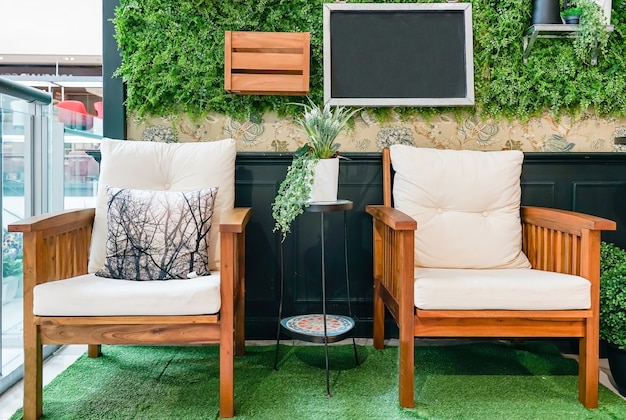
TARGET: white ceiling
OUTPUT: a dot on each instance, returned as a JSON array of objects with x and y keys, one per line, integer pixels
[
  {"x": 67, "y": 32},
  {"x": 61, "y": 60}
]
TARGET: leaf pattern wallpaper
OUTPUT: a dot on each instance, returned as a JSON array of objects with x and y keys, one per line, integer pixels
[{"x": 446, "y": 131}]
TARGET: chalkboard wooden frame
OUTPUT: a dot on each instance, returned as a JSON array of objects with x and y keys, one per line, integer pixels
[{"x": 444, "y": 69}]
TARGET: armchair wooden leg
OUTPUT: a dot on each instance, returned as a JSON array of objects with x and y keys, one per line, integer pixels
[
  {"x": 227, "y": 389},
  {"x": 33, "y": 370},
  {"x": 94, "y": 350},
  {"x": 588, "y": 371},
  {"x": 240, "y": 327},
  {"x": 406, "y": 374},
  {"x": 379, "y": 318}
]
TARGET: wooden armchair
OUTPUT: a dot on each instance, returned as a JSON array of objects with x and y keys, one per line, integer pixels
[
  {"x": 65, "y": 302},
  {"x": 432, "y": 274}
]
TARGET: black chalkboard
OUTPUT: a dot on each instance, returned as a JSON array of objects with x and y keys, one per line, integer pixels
[{"x": 398, "y": 54}]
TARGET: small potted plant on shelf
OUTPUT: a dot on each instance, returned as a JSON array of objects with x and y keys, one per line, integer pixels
[
  {"x": 613, "y": 310},
  {"x": 571, "y": 15},
  {"x": 313, "y": 174}
]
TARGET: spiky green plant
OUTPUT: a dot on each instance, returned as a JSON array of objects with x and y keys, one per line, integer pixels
[{"x": 322, "y": 125}]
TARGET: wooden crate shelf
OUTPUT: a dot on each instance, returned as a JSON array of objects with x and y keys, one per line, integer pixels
[{"x": 267, "y": 63}]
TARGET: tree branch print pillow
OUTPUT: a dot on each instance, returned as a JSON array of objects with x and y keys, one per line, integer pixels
[{"x": 157, "y": 235}]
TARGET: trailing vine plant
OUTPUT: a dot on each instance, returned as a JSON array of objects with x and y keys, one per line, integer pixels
[
  {"x": 593, "y": 38},
  {"x": 293, "y": 192}
]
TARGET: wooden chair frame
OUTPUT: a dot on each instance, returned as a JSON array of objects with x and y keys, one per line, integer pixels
[
  {"x": 553, "y": 240},
  {"x": 56, "y": 246}
]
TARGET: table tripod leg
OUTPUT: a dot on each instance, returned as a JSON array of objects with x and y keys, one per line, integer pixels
[
  {"x": 280, "y": 305},
  {"x": 345, "y": 253},
  {"x": 324, "y": 304}
]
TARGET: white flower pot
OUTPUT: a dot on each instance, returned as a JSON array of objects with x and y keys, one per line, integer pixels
[{"x": 325, "y": 181}]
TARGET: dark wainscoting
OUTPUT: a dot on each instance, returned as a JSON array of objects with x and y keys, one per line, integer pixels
[{"x": 591, "y": 183}]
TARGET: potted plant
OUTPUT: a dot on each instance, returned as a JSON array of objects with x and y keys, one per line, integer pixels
[
  {"x": 313, "y": 174},
  {"x": 593, "y": 37},
  {"x": 613, "y": 310},
  {"x": 571, "y": 15},
  {"x": 545, "y": 12}
]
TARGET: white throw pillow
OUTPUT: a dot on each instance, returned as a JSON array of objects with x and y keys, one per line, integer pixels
[
  {"x": 466, "y": 204},
  {"x": 143, "y": 165},
  {"x": 157, "y": 235}
]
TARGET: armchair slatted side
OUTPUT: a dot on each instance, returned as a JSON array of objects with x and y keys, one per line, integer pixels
[{"x": 49, "y": 242}]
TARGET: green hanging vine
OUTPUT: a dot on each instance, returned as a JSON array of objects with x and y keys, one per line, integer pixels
[{"x": 173, "y": 60}]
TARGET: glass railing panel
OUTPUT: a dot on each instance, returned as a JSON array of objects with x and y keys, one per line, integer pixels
[
  {"x": 74, "y": 171},
  {"x": 25, "y": 117},
  {"x": 81, "y": 169},
  {"x": 48, "y": 163},
  {"x": 75, "y": 141},
  {"x": 15, "y": 123},
  {"x": 72, "y": 182}
]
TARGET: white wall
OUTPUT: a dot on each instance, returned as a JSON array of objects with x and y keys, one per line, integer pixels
[{"x": 51, "y": 27}]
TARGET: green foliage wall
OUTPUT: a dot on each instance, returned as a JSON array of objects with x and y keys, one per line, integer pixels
[{"x": 173, "y": 59}]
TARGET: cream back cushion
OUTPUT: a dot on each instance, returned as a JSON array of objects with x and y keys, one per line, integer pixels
[
  {"x": 142, "y": 165},
  {"x": 466, "y": 204}
]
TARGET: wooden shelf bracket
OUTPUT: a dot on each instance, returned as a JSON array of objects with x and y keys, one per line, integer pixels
[{"x": 553, "y": 30}]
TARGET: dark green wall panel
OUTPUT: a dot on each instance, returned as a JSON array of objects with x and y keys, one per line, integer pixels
[
  {"x": 113, "y": 89},
  {"x": 258, "y": 179}
]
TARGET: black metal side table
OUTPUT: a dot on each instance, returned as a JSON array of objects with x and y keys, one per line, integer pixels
[{"x": 321, "y": 328}]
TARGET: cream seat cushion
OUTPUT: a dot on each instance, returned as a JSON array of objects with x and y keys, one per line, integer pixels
[
  {"x": 466, "y": 204},
  {"x": 90, "y": 295},
  {"x": 512, "y": 289}
]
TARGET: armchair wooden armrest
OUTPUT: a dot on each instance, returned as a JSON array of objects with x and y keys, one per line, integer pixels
[
  {"x": 564, "y": 220},
  {"x": 391, "y": 217},
  {"x": 56, "y": 245},
  {"x": 563, "y": 241},
  {"x": 60, "y": 221},
  {"x": 394, "y": 238},
  {"x": 232, "y": 274},
  {"x": 235, "y": 220}
]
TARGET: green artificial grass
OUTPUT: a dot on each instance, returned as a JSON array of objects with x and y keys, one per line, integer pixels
[{"x": 487, "y": 380}]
